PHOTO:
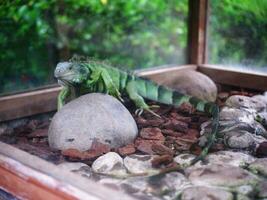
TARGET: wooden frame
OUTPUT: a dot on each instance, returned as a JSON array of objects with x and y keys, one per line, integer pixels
[
  {"x": 197, "y": 34},
  {"x": 29, "y": 177}
]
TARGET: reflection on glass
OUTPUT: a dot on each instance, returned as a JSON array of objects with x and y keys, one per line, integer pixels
[
  {"x": 238, "y": 33},
  {"x": 130, "y": 34}
]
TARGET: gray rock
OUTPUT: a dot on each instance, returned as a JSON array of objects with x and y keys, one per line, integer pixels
[
  {"x": 184, "y": 159},
  {"x": 92, "y": 117},
  {"x": 261, "y": 98},
  {"x": 220, "y": 175},
  {"x": 138, "y": 164},
  {"x": 110, "y": 163},
  {"x": 192, "y": 83},
  {"x": 231, "y": 158},
  {"x": 76, "y": 167},
  {"x": 259, "y": 166},
  {"x": 239, "y": 140},
  {"x": 205, "y": 193},
  {"x": 169, "y": 185},
  {"x": 262, "y": 187},
  {"x": 244, "y": 102},
  {"x": 135, "y": 185}
]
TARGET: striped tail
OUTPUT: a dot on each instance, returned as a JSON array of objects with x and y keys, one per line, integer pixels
[{"x": 152, "y": 91}]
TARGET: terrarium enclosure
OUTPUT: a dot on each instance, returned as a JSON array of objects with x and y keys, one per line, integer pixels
[{"x": 212, "y": 50}]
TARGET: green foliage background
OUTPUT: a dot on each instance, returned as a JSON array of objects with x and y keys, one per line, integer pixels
[
  {"x": 238, "y": 33},
  {"x": 36, "y": 34}
]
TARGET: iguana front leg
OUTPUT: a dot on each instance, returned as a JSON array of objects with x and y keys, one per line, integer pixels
[
  {"x": 138, "y": 99},
  {"x": 64, "y": 93},
  {"x": 110, "y": 86}
]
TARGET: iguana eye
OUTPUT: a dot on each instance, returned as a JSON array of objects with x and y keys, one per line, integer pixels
[{"x": 70, "y": 68}]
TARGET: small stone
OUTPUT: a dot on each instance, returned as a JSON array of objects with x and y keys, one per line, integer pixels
[
  {"x": 184, "y": 159},
  {"x": 260, "y": 98},
  {"x": 220, "y": 175},
  {"x": 244, "y": 102},
  {"x": 145, "y": 146},
  {"x": 239, "y": 140},
  {"x": 110, "y": 163},
  {"x": 261, "y": 150},
  {"x": 159, "y": 160},
  {"x": 126, "y": 150},
  {"x": 151, "y": 134},
  {"x": 138, "y": 164},
  {"x": 259, "y": 166},
  {"x": 205, "y": 193},
  {"x": 92, "y": 117}
]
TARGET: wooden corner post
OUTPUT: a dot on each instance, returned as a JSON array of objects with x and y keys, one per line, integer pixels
[{"x": 198, "y": 15}]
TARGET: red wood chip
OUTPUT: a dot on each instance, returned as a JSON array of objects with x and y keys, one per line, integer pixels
[
  {"x": 159, "y": 160},
  {"x": 127, "y": 150},
  {"x": 161, "y": 149},
  {"x": 192, "y": 134},
  {"x": 176, "y": 125},
  {"x": 168, "y": 132},
  {"x": 145, "y": 146},
  {"x": 151, "y": 134},
  {"x": 96, "y": 150}
]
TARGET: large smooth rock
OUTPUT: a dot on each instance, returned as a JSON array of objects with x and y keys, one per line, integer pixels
[
  {"x": 231, "y": 158},
  {"x": 220, "y": 175},
  {"x": 205, "y": 193},
  {"x": 192, "y": 83},
  {"x": 259, "y": 166},
  {"x": 92, "y": 117}
]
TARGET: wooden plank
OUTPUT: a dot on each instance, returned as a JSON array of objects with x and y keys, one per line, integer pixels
[
  {"x": 235, "y": 77},
  {"x": 29, "y": 177},
  {"x": 197, "y": 34},
  {"x": 27, "y": 104}
]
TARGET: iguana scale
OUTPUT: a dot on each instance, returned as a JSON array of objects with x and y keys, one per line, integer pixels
[{"x": 79, "y": 78}]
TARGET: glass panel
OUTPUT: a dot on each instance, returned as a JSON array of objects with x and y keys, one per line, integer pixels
[
  {"x": 130, "y": 34},
  {"x": 238, "y": 33}
]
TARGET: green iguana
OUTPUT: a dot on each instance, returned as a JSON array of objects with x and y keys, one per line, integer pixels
[{"x": 79, "y": 78}]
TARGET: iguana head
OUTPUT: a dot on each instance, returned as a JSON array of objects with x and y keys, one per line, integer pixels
[{"x": 71, "y": 73}]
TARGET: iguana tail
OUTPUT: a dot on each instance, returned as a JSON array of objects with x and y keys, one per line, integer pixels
[{"x": 162, "y": 94}]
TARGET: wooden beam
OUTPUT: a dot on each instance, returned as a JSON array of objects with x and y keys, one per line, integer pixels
[
  {"x": 28, "y": 103},
  {"x": 29, "y": 177},
  {"x": 235, "y": 77},
  {"x": 198, "y": 14}
]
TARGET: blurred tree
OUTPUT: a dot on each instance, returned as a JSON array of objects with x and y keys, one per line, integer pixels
[
  {"x": 36, "y": 34},
  {"x": 238, "y": 33}
]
